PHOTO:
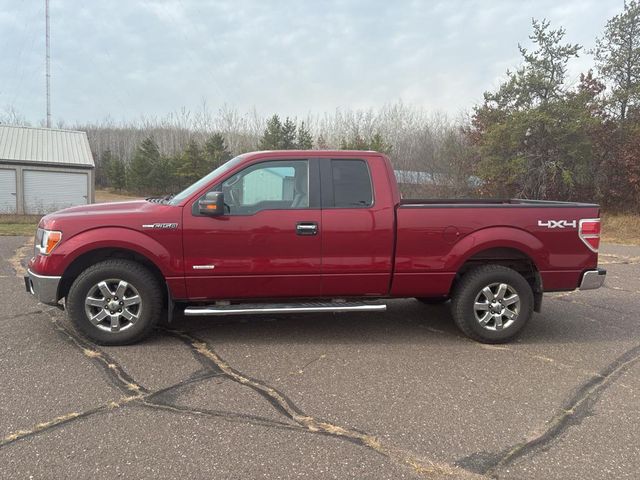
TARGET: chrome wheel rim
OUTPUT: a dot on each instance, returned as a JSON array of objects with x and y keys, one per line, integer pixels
[
  {"x": 497, "y": 306},
  {"x": 113, "y": 305}
]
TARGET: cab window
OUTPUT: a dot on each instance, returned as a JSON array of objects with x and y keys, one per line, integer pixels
[
  {"x": 351, "y": 184},
  {"x": 278, "y": 185}
]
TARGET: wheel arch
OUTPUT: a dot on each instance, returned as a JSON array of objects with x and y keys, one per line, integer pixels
[
  {"x": 91, "y": 257},
  {"x": 508, "y": 256}
]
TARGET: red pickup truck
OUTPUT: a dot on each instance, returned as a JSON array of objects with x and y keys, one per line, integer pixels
[{"x": 309, "y": 231}]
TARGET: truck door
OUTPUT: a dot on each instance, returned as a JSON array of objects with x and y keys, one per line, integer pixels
[
  {"x": 357, "y": 228},
  {"x": 267, "y": 244}
]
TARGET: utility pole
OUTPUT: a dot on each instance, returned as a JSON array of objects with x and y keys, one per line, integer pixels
[{"x": 48, "y": 66}]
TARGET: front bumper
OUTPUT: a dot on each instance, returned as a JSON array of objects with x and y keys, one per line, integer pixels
[
  {"x": 592, "y": 279},
  {"x": 43, "y": 287}
]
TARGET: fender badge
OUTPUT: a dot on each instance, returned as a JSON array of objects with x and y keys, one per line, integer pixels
[
  {"x": 169, "y": 226},
  {"x": 557, "y": 223}
]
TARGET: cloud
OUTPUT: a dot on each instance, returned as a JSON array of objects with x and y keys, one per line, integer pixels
[{"x": 127, "y": 59}]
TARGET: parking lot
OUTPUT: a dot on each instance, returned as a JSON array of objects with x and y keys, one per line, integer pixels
[{"x": 395, "y": 395}]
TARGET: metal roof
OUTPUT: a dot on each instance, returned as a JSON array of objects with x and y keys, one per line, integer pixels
[{"x": 44, "y": 146}]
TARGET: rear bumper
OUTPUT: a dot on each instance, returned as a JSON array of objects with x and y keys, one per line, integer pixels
[
  {"x": 43, "y": 287},
  {"x": 592, "y": 279}
]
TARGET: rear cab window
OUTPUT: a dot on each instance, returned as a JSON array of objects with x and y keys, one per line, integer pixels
[{"x": 347, "y": 184}]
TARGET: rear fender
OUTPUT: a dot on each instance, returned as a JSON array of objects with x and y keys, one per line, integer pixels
[{"x": 497, "y": 237}]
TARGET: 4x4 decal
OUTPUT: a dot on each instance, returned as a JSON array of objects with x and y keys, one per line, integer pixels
[{"x": 558, "y": 223}]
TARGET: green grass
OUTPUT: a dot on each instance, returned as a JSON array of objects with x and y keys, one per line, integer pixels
[{"x": 19, "y": 224}]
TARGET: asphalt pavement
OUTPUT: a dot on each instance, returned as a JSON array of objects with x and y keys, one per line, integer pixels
[{"x": 400, "y": 394}]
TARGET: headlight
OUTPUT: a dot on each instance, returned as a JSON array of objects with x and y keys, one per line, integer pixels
[{"x": 46, "y": 241}]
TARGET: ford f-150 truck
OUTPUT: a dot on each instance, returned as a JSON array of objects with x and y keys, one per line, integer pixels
[{"x": 309, "y": 231}]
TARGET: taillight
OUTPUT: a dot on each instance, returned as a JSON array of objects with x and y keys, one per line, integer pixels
[{"x": 589, "y": 233}]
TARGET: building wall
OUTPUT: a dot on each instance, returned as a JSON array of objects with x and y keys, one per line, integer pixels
[{"x": 20, "y": 168}]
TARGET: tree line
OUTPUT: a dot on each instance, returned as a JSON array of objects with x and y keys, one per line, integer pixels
[{"x": 150, "y": 171}]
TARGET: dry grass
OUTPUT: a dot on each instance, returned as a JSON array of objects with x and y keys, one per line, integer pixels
[
  {"x": 621, "y": 228},
  {"x": 103, "y": 196}
]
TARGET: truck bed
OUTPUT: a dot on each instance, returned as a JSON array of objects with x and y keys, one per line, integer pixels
[{"x": 435, "y": 237}]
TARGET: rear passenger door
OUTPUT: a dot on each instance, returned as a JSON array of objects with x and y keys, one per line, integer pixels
[{"x": 357, "y": 228}]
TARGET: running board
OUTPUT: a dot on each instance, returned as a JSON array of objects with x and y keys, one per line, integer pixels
[{"x": 255, "y": 308}]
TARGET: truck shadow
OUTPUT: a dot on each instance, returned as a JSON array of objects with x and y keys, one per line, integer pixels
[
  {"x": 411, "y": 322},
  {"x": 405, "y": 322}
]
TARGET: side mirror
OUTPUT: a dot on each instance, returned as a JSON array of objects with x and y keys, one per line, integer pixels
[{"x": 212, "y": 204}]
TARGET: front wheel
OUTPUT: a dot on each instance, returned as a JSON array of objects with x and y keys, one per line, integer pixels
[
  {"x": 115, "y": 302},
  {"x": 492, "y": 304}
]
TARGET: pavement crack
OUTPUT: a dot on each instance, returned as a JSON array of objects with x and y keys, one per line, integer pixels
[
  {"x": 116, "y": 374},
  {"x": 64, "y": 419},
  {"x": 221, "y": 414},
  {"x": 421, "y": 466},
  {"x": 310, "y": 362},
  {"x": 20, "y": 315},
  {"x": 571, "y": 413}
]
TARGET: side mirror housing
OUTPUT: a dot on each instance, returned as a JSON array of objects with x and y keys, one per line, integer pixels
[{"x": 212, "y": 205}]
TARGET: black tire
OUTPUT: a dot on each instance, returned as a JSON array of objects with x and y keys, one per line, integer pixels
[
  {"x": 433, "y": 300},
  {"x": 470, "y": 319},
  {"x": 141, "y": 284}
]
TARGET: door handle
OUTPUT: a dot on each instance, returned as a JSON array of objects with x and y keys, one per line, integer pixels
[{"x": 306, "y": 228}]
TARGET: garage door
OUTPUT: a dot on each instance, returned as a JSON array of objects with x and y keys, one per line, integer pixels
[
  {"x": 7, "y": 191},
  {"x": 46, "y": 192}
]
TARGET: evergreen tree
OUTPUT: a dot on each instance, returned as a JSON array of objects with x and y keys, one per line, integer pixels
[
  {"x": 358, "y": 142},
  {"x": 215, "y": 151},
  {"x": 305, "y": 140},
  {"x": 146, "y": 157},
  {"x": 378, "y": 144},
  {"x": 532, "y": 133},
  {"x": 288, "y": 138},
  {"x": 617, "y": 57},
  {"x": 541, "y": 78},
  {"x": 162, "y": 176},
  {"x": 117, "y": 173},
  {"x": 272, "y": 136},
  {"x": 193, "y": 165}
]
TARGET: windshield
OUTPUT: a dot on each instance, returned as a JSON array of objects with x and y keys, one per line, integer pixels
[{"x": 187, "y": 192}]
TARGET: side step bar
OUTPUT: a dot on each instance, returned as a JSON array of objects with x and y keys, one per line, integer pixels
[{"x": 255, "y": 308}]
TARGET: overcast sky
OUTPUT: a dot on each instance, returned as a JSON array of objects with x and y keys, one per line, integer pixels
[{"x": 126, "y": 59}]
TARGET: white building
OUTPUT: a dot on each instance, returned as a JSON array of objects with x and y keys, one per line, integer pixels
[{"x": 44, "y": 169}]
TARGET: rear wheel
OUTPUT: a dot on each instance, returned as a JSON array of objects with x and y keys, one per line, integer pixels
[
  {"x": 115, "y": 302},
  {"x": 492, "y": 303}
]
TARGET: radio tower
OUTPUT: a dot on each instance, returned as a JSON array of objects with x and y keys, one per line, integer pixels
[{"x": 48, "y": 66}]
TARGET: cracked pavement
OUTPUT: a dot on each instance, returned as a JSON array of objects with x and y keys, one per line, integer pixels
[{"x": 399, "y": 394}]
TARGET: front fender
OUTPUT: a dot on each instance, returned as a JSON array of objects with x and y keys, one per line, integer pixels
[
  {"x": 497, "y": 237},
  {"x": 165, "y": 252}
]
